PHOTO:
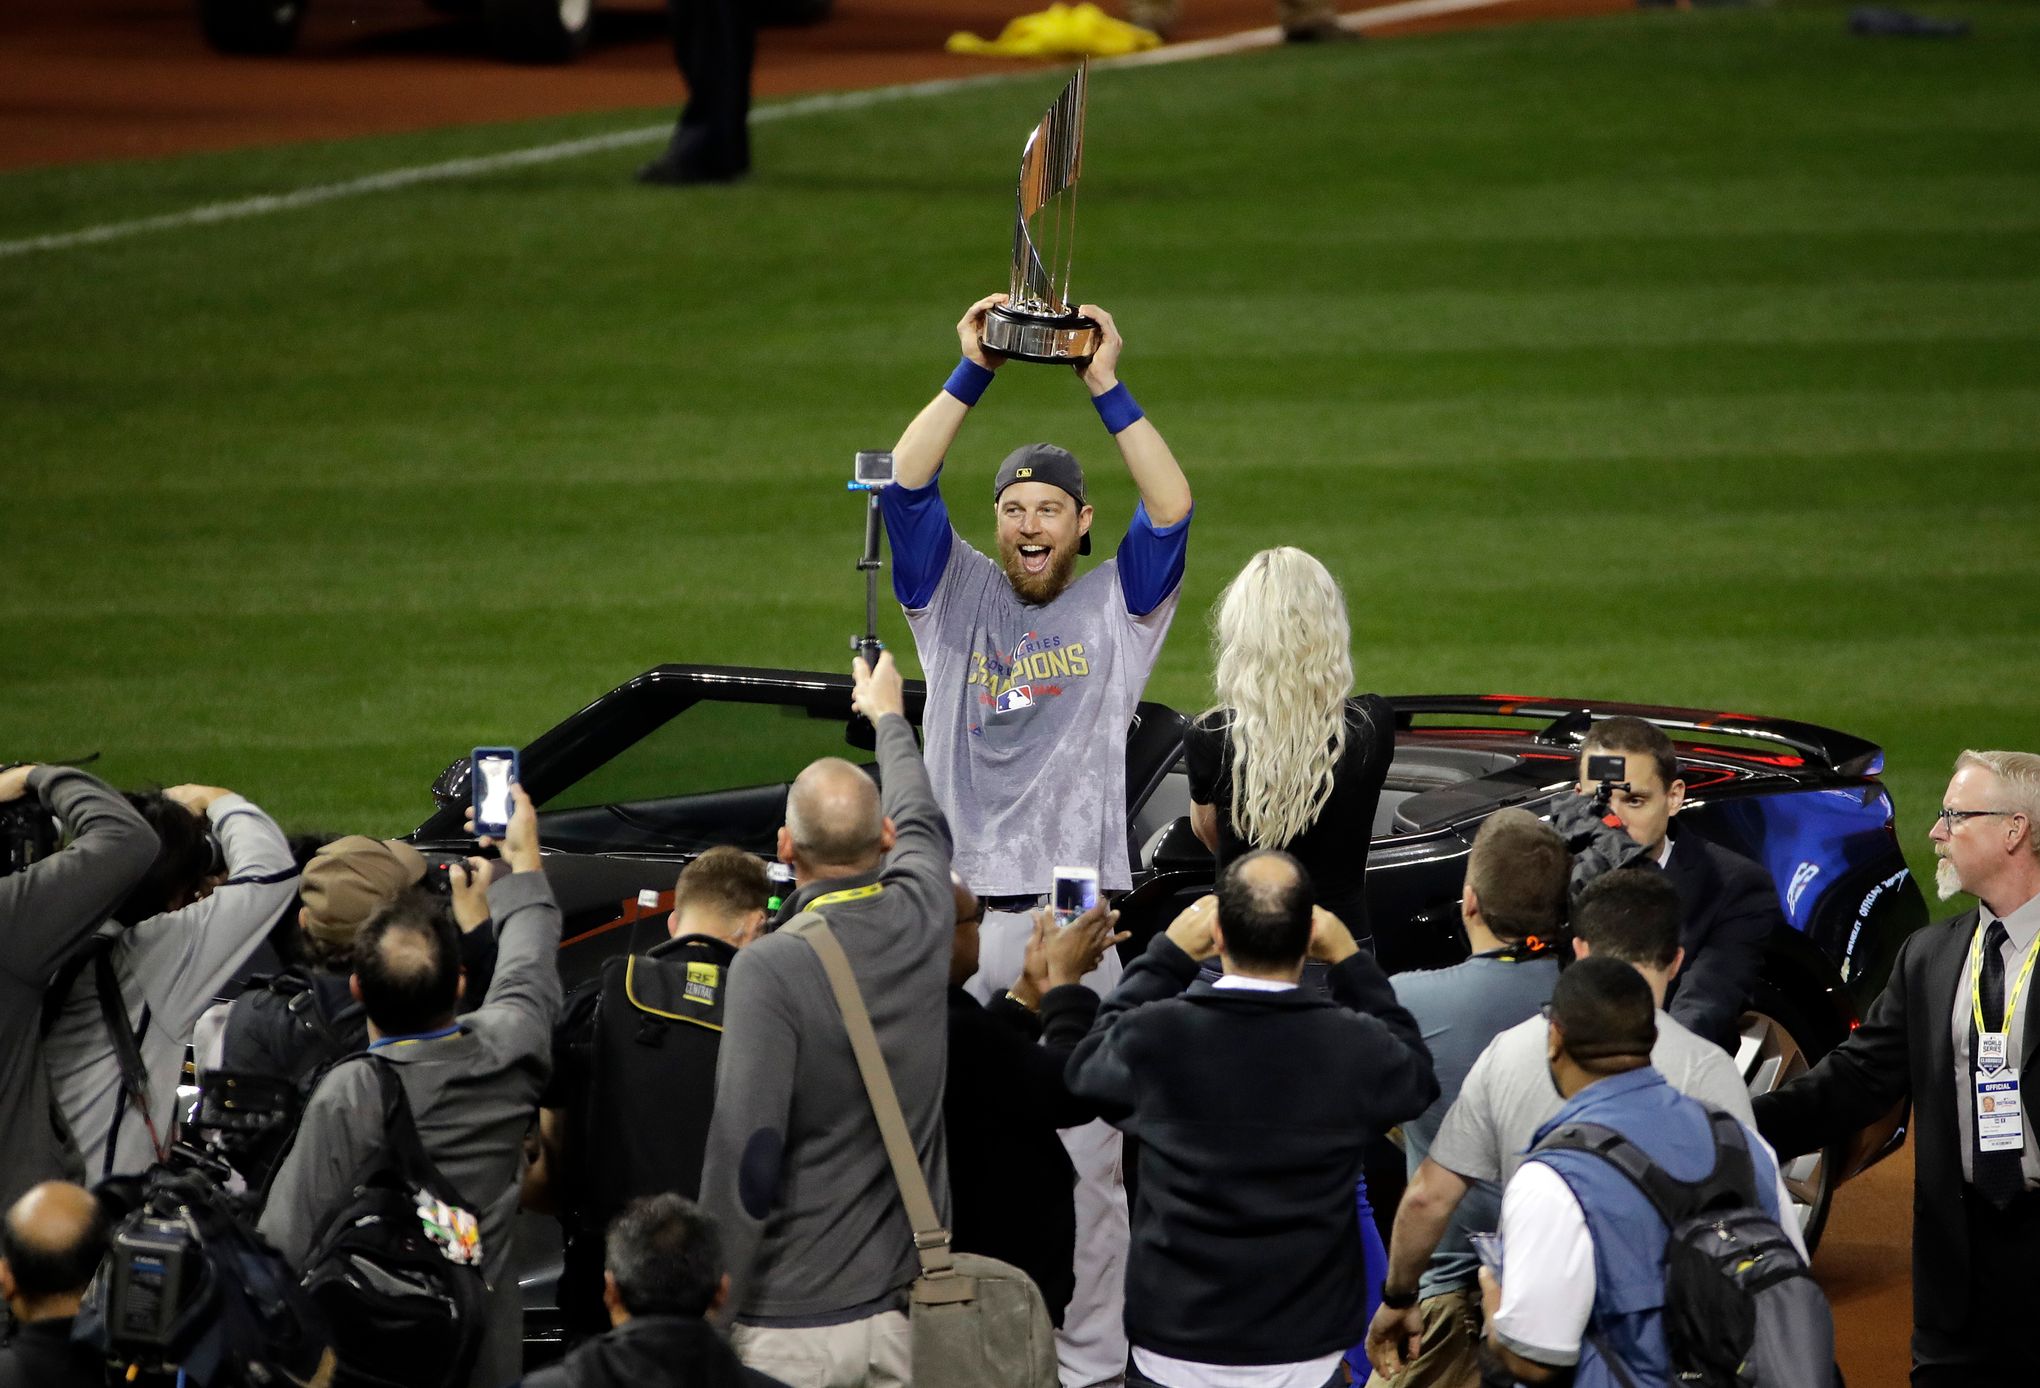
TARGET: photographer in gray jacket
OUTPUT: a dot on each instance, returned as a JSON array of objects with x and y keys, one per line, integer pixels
[
  {"x": 47, "y": 911},
  {"x": 795, "y": 1175},
  {"x": 191, "y": 939},
  {"x": 472, "y": 1081}
]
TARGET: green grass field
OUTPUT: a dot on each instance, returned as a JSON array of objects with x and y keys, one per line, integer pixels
[{"x": 1681, "y": 357}]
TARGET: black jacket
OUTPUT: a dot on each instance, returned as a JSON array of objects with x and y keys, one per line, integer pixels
[
  {"x": 1904, "y": 1049},
  {"x": 1731, "y": 909},
  {"x": 653, "y": 1352},
  {"x": 41, "y": 1355},
  {"x": 1253, "y": 1110},
  {"x": 1011, "y": 1185}
]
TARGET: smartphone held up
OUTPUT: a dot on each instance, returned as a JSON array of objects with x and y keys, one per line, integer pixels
[
  {"x": 1075, "y": 892},
  {"x": 494, "y": 771}
]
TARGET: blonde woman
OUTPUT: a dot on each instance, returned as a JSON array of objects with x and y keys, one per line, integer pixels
[{"x": 1290, "y": 759}]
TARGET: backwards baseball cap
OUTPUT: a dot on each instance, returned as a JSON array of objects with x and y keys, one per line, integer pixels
[
  {"x": 350, "y": 879},
  {"x": 1044, "y": 462}
]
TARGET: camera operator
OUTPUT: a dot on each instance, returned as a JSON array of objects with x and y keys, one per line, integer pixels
[
  {"x": 48, "y": 910},
  {"x": 1730, "y": 902},
  {"x": 185, "y": 939},
  {"x": 50, "y": 1245}
]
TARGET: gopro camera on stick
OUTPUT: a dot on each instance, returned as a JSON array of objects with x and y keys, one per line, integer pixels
[{"x": 1609, "y": 774}]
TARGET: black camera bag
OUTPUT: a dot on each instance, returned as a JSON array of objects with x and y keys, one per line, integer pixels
[{"x": 399, "y": 1283}]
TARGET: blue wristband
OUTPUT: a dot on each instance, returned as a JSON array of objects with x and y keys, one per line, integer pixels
[
  {"x": 967, "y": 383},
  {"x": 1117, "y": 408}
]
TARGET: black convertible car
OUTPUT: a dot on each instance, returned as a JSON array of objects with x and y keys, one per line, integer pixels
[{"x": 685, "y": 757}]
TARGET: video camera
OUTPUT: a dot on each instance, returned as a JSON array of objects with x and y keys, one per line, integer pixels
[{"x": 1609, "y": 774}]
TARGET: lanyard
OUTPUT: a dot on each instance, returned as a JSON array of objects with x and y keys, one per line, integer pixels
[
  {"x": 1976, "y": 983},
  {"x": 847, "y": 894},
  {"x": 413, "y": 1040}
]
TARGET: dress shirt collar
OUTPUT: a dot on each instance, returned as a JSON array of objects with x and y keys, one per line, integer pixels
[
  {"x": 1253, "y": 985},
  {"x": 2021, "y": 925}
]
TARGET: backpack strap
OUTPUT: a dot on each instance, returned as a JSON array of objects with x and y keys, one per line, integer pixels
[
  {"x": 1731, "y": 1184},
  {"x": 931, "y": 1240},
  {"x": 400, "y": 1129},
  {"x": 1673, "y": 1199}
]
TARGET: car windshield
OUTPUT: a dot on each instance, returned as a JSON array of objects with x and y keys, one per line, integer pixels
[{"x": 716, "y": 772}]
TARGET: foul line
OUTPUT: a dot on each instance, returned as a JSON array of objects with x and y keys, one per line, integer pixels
[{"x": 483, "y": 165}]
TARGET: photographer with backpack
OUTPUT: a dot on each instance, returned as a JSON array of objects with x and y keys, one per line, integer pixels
[
  {"x": 465, "y": 1086},
  {"x": 1647, "y": 1239}
]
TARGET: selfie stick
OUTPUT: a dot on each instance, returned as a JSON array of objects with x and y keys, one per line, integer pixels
[{"x": 872, "y": 474}]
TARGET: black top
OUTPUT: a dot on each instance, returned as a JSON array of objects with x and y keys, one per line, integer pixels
[
  {"x": 41, "y": 1355},
  {"x": 1731, "y": 911},
  {"x": 656, "y": 1351},
  {"x": 1254, "y": 1112},
  {"x": 1334, "y": 849},
  {"x": 1011, "y": 1186}
]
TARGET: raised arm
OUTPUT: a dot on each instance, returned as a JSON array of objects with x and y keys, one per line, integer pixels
[
  {"x": 1164, "y": 490},
  {"x": 49, "y": 908},
  {"x": 921, "y": 449}
]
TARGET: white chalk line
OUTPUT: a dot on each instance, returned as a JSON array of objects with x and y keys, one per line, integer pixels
[{"x": 479, "y": 166}]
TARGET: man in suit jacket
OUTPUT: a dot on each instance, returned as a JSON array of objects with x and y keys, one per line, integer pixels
[
  {"x": 1731, "y": 903},
  {"x": 1976, "y": 1213}
]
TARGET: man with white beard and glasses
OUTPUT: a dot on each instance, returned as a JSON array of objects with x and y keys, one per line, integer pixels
[
  {"x": 1033, "y": 676},
  {"x": 1952, "y": 1032}
]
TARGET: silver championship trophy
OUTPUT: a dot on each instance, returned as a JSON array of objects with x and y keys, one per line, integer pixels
[{"x": 1037, "y": 323}]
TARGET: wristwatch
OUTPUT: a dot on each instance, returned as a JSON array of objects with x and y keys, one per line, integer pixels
[
  {"x": 1398, "y": 1301},
  {"x": 1015, "y": 997}
]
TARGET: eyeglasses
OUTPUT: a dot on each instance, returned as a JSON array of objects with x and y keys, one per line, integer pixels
[{"x": 1952, "y": 819}]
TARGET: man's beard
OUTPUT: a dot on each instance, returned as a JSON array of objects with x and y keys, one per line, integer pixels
[
  {"x": 1946, "y": 880},
  {"x": 1045, "y": 587}
]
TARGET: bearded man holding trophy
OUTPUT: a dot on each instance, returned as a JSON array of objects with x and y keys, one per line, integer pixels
[{"x": 1034, "y": 671}]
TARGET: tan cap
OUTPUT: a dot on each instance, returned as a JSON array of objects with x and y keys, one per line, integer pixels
[{"x": 351, "y": 879}]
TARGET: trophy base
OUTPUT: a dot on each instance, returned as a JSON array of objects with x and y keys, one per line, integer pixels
[{"x": 1067, "y": 339}]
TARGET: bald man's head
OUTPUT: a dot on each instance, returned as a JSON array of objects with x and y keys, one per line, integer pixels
[
  {"x": 51, "y": 1241},
  {"x": 833, "y": 819},
  {"x": 1264, "y": 902}
]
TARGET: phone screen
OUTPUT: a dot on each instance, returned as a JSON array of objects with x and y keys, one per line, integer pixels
[
  {"x": 1076, "y": 891},
  {"x": 495, "y": 769}
]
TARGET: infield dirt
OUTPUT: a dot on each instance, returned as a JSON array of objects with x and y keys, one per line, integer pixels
[{"x": 94, "y": 80}]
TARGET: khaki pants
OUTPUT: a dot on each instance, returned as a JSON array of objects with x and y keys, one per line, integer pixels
[
  {"x": 1448, "y": 1355},
  {"x": 876, "y": 1352}
]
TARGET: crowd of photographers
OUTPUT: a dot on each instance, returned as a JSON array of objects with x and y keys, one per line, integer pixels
[{"x": 399, "y": 1073}]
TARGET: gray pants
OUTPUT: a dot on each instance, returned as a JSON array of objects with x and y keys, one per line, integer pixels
[
  {"x": 876, "y": 1352},
  {"x": 1091, "y": 1347}
]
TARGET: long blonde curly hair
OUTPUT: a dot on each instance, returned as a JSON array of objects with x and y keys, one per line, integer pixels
[{"x": 1284, "y": 669}]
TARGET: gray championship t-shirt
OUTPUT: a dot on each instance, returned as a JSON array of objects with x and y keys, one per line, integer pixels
[
  {"x": 1509, "y": 1095},
  {"x": 1461, "y": 1010},
  {"x": 1028, "y": 707}
]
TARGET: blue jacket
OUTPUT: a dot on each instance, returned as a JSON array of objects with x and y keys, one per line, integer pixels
[{"x": 1629, "y": 1237}]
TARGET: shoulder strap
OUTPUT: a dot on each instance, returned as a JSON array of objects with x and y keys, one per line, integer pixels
[
  {"x": 134, "y": 1075},
  {"x": 1672, "y": 1198},
  {"x": 931, "y": 1240},
  {"x": 401, "y": 1130}
]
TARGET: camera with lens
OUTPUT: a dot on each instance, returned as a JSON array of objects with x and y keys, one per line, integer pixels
[{"x": 28, "y": 831}]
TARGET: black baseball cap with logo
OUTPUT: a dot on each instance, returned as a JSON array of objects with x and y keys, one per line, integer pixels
[{"x": 1044, "y": 462}]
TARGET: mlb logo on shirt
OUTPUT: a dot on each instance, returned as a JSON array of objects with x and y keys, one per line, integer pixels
[{"x": 1018, "y": 697}]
